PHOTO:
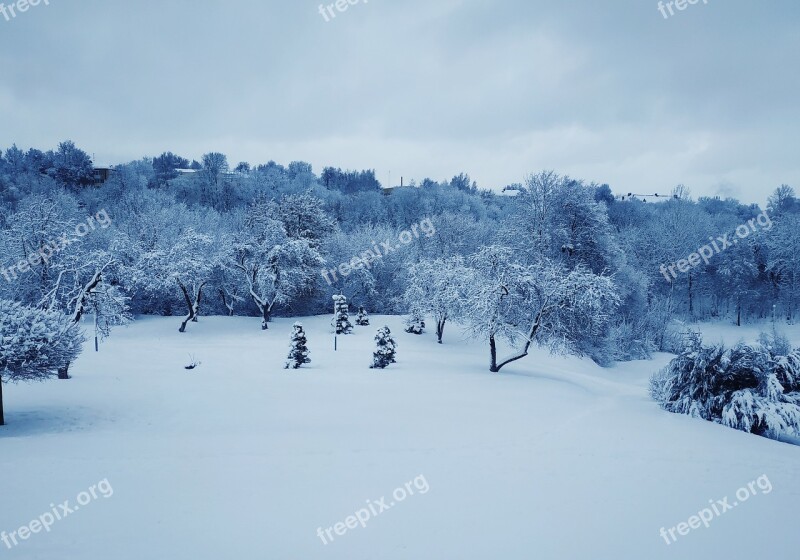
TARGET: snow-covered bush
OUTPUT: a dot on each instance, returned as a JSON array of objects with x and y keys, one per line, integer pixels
[
  {"x": 671, "y": 338},
  {"x": 363, "y": 319},
  {"x": 34, "y": 344},
  {"x": 386, "y": 349},
  {"x": 777, "y": 344},
  {"x": 787, "y": 371},
  {"x": 415, "y": 324},
  {"x": 625, "y": 341},
  {"x": 298, "y": 351},
  {"x": 786, "y": 360},
  {"x": 341, "y": 315},
  {"x": 748, "y": 388}
]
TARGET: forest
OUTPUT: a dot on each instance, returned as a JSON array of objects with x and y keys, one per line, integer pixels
[{"x": 553, "y": 260}]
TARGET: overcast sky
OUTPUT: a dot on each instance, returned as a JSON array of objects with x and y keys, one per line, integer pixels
[{"x": 610, "y": 92}]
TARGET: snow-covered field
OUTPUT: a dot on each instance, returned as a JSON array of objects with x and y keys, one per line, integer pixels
[{"x": 554, "y": 458}]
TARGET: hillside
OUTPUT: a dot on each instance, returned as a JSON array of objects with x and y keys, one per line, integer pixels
[{"x": 553, "y": 458}]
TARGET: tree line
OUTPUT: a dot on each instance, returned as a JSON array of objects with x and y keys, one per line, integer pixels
[{"x": 563, "y": 263}]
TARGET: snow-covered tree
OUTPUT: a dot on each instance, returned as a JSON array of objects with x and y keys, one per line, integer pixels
[
  {"x": 365, "y": 270},
  {"x": 188, "y": 262},
  {"x": 85, "y": 285},
  {"x": 457, "y": 233},
  {"x": 783, "y": 263},
  {"x": 275, "y": 268},
  {"x": 34, "y": 344},
  {"x": 71, "y": 165},
  {"x": 783, "y": 201},
  {"x": 558, "y": 307},
  {"x": 436, "y": 287},
  {"x": 304, "y": 217},
  {"x": 165, "y": 168},
  {"x": 39, "y": 234},
  {"x": 557, "y": 217},
  {"x": 415, "y": 324},
  {"x": 215, "y": 165},
  {"x": 341, "y": 315},
  {"x": 68, "y": 262},
  {"x": 298, "y": 350},
  {"x": 738, "y": 271},
  {"x": 362, "y": 320},
  {"x": 109, "y": 307},
  {"x": 385, "y": 350},
  {"x": 677, "y": 230},
  {"x": 230, "y": 289}
]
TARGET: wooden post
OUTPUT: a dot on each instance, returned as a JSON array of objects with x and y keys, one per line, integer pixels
[{"x": 2, "y": 418}]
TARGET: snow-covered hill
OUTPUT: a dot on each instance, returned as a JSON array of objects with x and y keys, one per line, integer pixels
[{"x": 554, "y": 458}]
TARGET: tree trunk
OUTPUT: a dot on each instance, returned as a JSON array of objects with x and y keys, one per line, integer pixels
[
  {"x": 194, "y": 307},
  {"x": 80, "y": 305},
  {"x": 228, "y": 306},
  {"x": 493, "y": 355},
  {"x": 188, "y": 301},
  {"x": 2, "y": 418},
  {"x": 495, "y": 367},
  {"x": 440, "y": 329},
  {"x": 266, "y": 314},
  {"x": 691, "y": 298},
  {"x": 663, "y": 331},
  {"x": 77, "y": 315}
]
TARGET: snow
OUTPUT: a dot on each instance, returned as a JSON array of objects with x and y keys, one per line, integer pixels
[
  {"x": 729, "y": 334},
  {"x": 554, "y": 458}
]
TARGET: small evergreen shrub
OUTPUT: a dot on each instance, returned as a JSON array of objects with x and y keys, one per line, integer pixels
[
  {"x": 362, "y": 320},
  {"x": 415, "y": 325},
  {"x": 341, "y": 315},
  {"x": 386, "y": 349},
  {"x": 298, "y": 351}
]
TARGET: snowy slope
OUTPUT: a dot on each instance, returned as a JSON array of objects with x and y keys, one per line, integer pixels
[{"x": 554, "y": 458}]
